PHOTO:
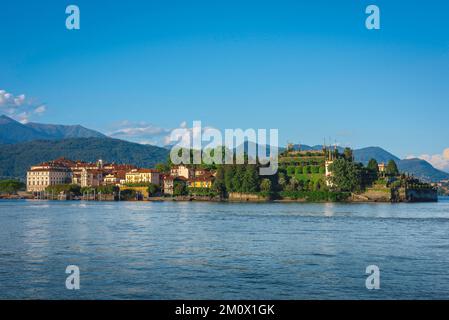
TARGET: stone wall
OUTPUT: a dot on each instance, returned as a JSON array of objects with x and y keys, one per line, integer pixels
[
  {"x": 246, "y": 197},
  {"x": 373, "y": 195},
  {"x": 421, "y": 195}
]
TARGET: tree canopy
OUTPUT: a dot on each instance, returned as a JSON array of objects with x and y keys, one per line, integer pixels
[
  {"x": 346, "y": 175},
  {"x": 373, "y": 165},
  {"x": 392, "y": 168},
  {"x": 11, "y": 186}
]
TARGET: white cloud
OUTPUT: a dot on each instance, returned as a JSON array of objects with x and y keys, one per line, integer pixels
[
  {"x": 19, "y": 107},
  {"x": 187, "y": 135},
  {"x": 439, "y": 161},
  {"x": 147, "y": 133},
  {"x": 141, "y": 132}
]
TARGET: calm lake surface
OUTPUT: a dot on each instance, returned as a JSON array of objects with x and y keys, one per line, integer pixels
[{"x": 193, "y": 250}]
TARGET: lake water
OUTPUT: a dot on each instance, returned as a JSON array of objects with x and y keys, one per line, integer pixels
[{"x": 200, "y": 250}]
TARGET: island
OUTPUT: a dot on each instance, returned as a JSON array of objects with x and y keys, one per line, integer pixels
[{"x": 324, "y": 175}]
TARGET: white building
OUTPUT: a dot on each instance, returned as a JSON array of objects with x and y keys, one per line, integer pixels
[{"x": 41, "y": 176}]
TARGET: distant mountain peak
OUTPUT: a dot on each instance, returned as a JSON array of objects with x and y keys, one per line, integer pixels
[
  {"x": 5, "y": 119},
  {"x": 12, "y": 131}
]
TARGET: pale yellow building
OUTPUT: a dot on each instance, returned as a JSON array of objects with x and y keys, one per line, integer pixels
[
  {"x": 204, "y": 181},
  {"x": 142, "y": 176},
  {"x": 382, "y": 167}
]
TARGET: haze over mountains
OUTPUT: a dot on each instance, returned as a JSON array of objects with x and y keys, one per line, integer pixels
[
  {"x": 12, "y": 131},
  {"x": 22, "y": 145}
]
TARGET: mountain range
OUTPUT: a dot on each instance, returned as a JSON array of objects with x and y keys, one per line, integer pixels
[
  {"x": 22, "y": 145},
  {"x": 15, "y": 159},
  {"x": 12, "y": 131}
]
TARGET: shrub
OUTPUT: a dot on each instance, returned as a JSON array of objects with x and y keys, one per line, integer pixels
[
  {"x": 290, "y": 170},
  {"x": 316, "y": 196},
  {"x": 153, "y": 189},
  {"x": 11, "y": 186}
]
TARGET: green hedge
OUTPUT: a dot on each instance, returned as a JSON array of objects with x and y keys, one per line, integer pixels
[
  {"x": 202, "y": 192},
  {"x": 316, "y": 196}
]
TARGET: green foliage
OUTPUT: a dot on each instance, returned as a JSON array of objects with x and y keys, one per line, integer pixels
[
  {"x": 250, "y": 183},
  {"x": 219, "y": 186},
  {"x": 138, "y": 184},
  {"x": 392, "y": 168},
  {"x": 347, "y": 154},
  {"x": 11, "y": 186},
  {"x": 228, "y": 177},
  {"x": 282, "y": 180},
  {"x": 163, "y": 167},
  {"x": 179, "y": 189},
  {"x": 153, "y": 189},
  {"x": 100, "y": 189},
  {"x": 373, "y": 165},
  {"x": 316, "y": 196},
  {"x": 346, "y": 175},
  {"x": 202, "y": 192},
  {"x": 238, "y": 178},
  {"x": 16, "y": 159},
  {"x": 64, "y": 188},
  {"x": 266, "y": 186},
  {"x": 128, "y": 194},
  {"x": 291, "y": 170}
]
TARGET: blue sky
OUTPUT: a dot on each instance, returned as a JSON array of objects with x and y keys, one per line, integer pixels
[{"x": 309, "y": 68}]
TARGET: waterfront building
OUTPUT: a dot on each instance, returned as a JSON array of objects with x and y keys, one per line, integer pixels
[
  {"x": 47, "y": 174},
  {"x": 91, "y": 178},
  {"x": 84, "y": 174},
  {"x": 142, "y": 176},
  {"x": 115, "y": 178}
]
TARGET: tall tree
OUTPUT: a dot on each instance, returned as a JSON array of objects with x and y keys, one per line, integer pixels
[
  {"x": 228, "y": 177},
  {"x": 371, "y": 173},
  {"x": 392, "y": 168},
  {"x": 219, "y": 185},
  {"x": 346, "y": 175},
  {"x": 373, "y": 165},
  {"x": 250, "y": 182},
  {"x": 347, "y": 154},
  {"x": 238, "y": 178}
]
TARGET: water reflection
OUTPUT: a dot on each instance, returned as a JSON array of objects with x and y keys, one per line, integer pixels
[{"x": 189, "y": 250}]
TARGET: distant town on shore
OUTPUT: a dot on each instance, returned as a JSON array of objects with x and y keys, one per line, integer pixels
[{"x": 325, "y": 175}]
